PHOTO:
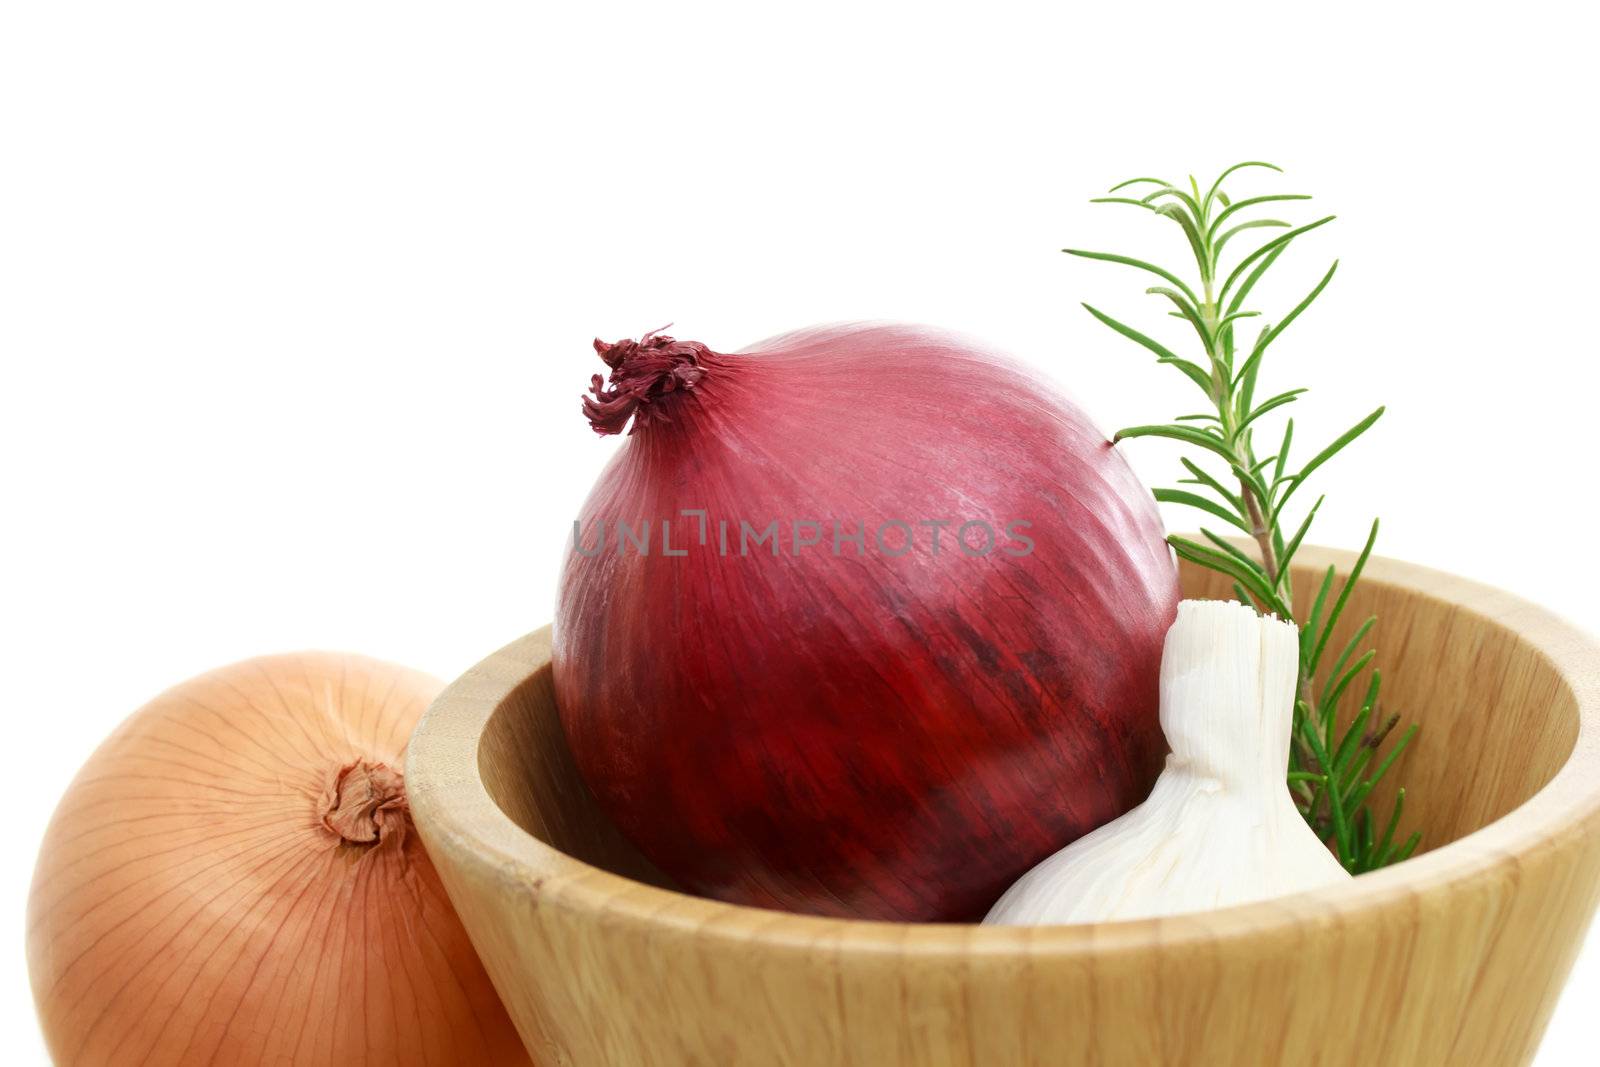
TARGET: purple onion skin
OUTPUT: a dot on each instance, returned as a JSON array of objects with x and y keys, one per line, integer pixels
[{"x": 865, "y": 736}]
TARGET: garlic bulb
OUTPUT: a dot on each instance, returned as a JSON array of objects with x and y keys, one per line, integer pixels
[{"x": 1220, "y": 827}]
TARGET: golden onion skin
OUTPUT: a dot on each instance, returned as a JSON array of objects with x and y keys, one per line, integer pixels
[{"x": 231, "y": 879}]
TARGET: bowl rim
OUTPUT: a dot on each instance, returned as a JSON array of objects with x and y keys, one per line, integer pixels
[{"x": 457, "y": 814}]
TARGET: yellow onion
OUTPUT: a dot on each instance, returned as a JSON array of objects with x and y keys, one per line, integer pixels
[{"x": 232, "y": 879}]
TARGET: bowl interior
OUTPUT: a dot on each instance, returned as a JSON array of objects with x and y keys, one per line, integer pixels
[{"x": 1497, "y": 719}]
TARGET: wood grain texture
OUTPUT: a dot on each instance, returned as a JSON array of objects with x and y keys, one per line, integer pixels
[{"x": 1455, "y": 957}]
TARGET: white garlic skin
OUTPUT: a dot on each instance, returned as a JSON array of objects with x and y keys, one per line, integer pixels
[{"x": 1220, "y": 827}]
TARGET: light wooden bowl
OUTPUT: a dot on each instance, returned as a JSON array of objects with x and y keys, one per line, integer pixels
[{"x": 1455, "y": 957}]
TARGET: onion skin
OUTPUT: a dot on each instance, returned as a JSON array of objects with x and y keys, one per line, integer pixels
[
  {"x": 231, "y": 879},
  {"x": 865, "y": 736}
]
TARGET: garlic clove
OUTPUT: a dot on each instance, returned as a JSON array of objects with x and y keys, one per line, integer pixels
[{"x": 1220, "y": 827}]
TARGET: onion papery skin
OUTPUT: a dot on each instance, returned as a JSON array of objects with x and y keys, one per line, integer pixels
[
  {"x": 863, "y": 735},
  {"x": 232, "y": 879}
]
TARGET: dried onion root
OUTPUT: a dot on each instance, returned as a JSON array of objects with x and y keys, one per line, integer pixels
[{"x": 231, "y": 879}]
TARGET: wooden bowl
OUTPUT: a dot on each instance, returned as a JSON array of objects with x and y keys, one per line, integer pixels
[{"x": 1454, "y": 957}]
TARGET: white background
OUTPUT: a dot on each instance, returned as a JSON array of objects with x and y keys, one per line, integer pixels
[{"x": 296, "y": 299}]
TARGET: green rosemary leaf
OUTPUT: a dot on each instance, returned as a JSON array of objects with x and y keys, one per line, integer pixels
[
  {"x": 1297, "y": 752},
  {"x": 1249, "y": 481},
  {"x": 1315, "y": 743},
  {"x": 1216, "y": 186},
  {"x": 1173, "y": 191},
  {"x": 1136, "y": 181},
  {"x": 1308, "y": 632},
  {"x": 1287, "y": 555},
  {"x": 1336, "y": 806},
  {"x": 1330, "y": 736},
  {"x": 1283, "y": 458},
  {"x": 1191, "y": 226},
  {"x": 1249, "y": 577},
  {"x": 1344, "y": 597},
  {"x": 1349, "y": 648},
  {"x": 1270, "y": 246},
  {"x": 1387, "y": 840},
  {"x": 1127, "y": 261},
  {"x": 1306, "y": 776},
  {"x": 1186, "y": 434},
  {"x": 1228, "y": 320},
  {"x": 1312, "y": 809},
  {"x": 1373, "y": 688},
  {"x": 1394, "y": 754},
  {"x": 1161, "y": 350},
  {"x": 1330, "y": 730},
  {"x": 1348, "y": 741},
  {"x": 1195, "y": 500},
  {"x": 1272, "y": 335},
  {"x": 1298, "y": 479},
  {"x": 1122, "y": 200},
  {"x": 1247, "y": 388},
  {"x": 1330, "y": 699},
  {"x": 1194, "y": 373},
  {"x": 1253, "y": 224},
  {"x": 1351, "y": 775},
  {"x": 1255, "y": 275},
  {"x": 1247, "y": 370},
  {"x": 1355, "y": 797},
  {"x": 1244, "y": 596},
  {"x": 1408, "y": 848},
  {"x": 1240, "y": 205},
  {"x": 1229, "y": 349},
  {"x": 1187, "y": 310},
  {"x": 1269, "y": 405},
  {"x": 1205, "y": 479},
  {"x": 1224, "y": 545},
  {"x": 1258, "y": 465}
]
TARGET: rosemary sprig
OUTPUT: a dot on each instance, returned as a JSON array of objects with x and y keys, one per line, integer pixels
[{"x": 1331, "y": 773}]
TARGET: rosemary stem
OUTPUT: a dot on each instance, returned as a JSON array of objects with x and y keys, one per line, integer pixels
[
  {"x": 1255, "y": 510},
  {"x": 1329, "y": 776},
  {"x": 1259, "y": 529}
]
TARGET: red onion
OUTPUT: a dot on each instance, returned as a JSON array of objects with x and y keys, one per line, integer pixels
[{"x": 841, "y": 719}]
